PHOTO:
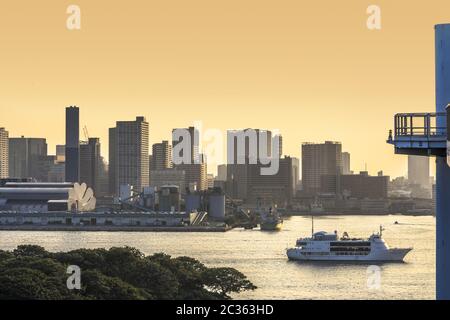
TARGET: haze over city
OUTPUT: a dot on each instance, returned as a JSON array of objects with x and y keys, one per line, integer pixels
[{"x": 313, "y": 70}]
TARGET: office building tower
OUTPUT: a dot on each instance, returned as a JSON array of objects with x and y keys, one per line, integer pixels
[
  {"x": 161, "y": 156},
  {"x": 4, "y": 154},
  {"x": 246, "y": 150},
  {"x": 194, "y": 148},
  {"x": 419, "y": 171},
  {"x": 91, "y": 163},
  {"x": 129, "y": 155},
  {"x": 112, "y": 162},
  {"x": 363, "y": 186},
  {"x": 72, "y": 144},
  {"x": 24, "y": 157},
  {"x": 278, "y": 189},
  {"x": 195, "y": 169},
  {"x": 346, "y": 163},
  {"x": 321, "y": 167},
  {"x": 280, "y": 145}
]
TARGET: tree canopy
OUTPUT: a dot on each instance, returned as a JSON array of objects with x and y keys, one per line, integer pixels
[{"x": 31, "y": 272}]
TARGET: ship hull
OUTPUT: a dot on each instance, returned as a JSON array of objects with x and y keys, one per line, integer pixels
[
  {"x": 390, "y": 255},
  {"x": 271, "y": 226}
]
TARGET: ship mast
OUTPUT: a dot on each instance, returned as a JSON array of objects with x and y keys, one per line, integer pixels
[{"x": 312, "y": 225}]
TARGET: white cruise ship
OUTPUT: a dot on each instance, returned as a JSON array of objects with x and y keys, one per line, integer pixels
[{"x": 323, "y": 246}]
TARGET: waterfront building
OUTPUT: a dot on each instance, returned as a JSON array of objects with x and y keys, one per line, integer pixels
[
  {"x": 321, "y": 167},
  {"x": 25, "y": 155},
  {"x": 129, "y": 155},
  {"x": 278, "y": 189},
  {"x": 364, "y": 186}
]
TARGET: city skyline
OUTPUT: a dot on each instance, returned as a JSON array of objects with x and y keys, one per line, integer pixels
[
  {"x": 178, "y": 64},
  {"x": 211, "y": 168}
]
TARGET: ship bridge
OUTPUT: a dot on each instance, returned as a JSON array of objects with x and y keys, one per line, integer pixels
[{"x": 421, "y": 134}]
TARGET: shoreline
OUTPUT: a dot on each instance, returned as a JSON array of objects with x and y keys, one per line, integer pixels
[
  {"x": 309, "y": 214},
  {"x": 111, "y": 228}
]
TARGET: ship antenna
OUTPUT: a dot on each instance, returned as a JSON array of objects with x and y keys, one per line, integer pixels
[{"x": 312, "y": 225}]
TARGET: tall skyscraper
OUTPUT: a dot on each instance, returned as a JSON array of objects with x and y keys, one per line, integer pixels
[
  {"x": 4, "y": 154},
  {"x": 419, "y": 171},
  {"x": 162, "y": 156},
  {"x": 195, "y": 170},
  {"x": 72, "y": 144},
  {"x": 238, "y": 171},
  {"x": 91, "y": 163},
  {"x": 26, "y": 156},
  {"x": 346, "y": 163},
  {"x": 321, "y": 167},
  {"x": 129, "y": 154}
]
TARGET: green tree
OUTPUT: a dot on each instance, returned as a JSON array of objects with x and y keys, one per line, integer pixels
[
  {"x": 98, "y": 286},
  {"x": 30, "y": 251},
  {"x": 223, "y": 281}
]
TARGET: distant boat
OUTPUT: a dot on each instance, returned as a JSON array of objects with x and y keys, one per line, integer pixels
[
  {"x": 271, "y": 221},
  {"x": 323, "y": 246}
]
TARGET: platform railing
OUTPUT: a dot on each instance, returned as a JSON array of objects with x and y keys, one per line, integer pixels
[{"x": 420, "y": 125}]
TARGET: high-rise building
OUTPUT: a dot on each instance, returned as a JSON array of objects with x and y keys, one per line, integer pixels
[
  {"x": 321, "y": 167},
  {"x": 246, "y": 145},
  {"x": 91, "y": 163},
  {"x": 346, "y": 163},
  {"x": 277, "y": 189},
  {"x": 195, "y": 169},
  {"x": 249, "y": 145},
  {"x": 419, "y": 171},
  {"x": 4, "y": 154},
  {"x": 162, "y": 156},
  {"x": 25, "y": 155},
  {"x": 112, "y": 162},
  {"x": 72, "y": 144},
  {"x": 129, "y": 155}
]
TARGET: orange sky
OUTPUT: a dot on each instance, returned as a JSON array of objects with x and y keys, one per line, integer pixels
[{"x": 309, "y": 68}]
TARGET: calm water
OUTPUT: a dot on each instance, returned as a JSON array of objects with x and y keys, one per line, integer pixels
[{"x": 261, "y": 256}]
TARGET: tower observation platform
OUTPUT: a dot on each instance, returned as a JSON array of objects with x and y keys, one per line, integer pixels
[
  {"x": 427, "y": 134},
  {"x": 420, "y": 134}
]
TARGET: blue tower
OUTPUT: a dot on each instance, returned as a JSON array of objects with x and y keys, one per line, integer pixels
[{"x": 425, "y": 134}]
